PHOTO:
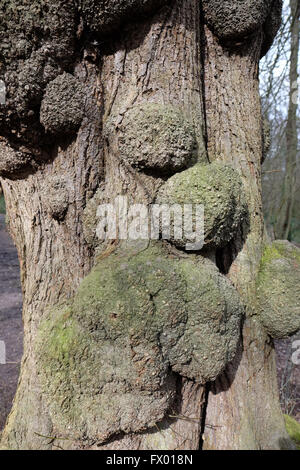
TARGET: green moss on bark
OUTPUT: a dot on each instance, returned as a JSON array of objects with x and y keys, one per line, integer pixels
[
  {"x": 293, "y": 429},
  {"x": 157, "y": 137},
  {"x": 219, "y": 189},
  {"x": 278, "y": 289},
  {"x": 108, "y": 358}
]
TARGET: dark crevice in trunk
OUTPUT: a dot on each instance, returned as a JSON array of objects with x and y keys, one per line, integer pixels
[{"x": 203, "y": 416}]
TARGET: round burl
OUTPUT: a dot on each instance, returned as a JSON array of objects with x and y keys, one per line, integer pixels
[
  {"x": 157, "y": 137},
  {"x": 278, "y": 289},
  {"x": 232, "y": 19},
  {"x": 219, "y": 189},
  {"x": 63, "y": 105},
  {"x": 13, "y": 161},
  {"x": 55, "y": 197},
  {"x": 112, "y": 351},
  {"x": 103, "y": 16},
  {"x": 37, "y": 43}
]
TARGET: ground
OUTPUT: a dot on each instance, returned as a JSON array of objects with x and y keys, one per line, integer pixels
[
  {"x": 10, "y": 319},
  {"x": 11, "y": 332}
]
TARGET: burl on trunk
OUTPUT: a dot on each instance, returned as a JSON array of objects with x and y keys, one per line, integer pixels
[{"x": 142, "y": 344}]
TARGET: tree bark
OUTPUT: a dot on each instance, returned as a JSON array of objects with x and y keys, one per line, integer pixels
[{"x": 171, "y": 58}]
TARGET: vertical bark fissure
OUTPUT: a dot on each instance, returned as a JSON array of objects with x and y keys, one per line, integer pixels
[{"x": 165, "y": 56}]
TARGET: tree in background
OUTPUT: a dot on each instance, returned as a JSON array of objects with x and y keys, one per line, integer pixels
[
  {"x": 142, "y": 345},
  {"x": 279, "y": 86}
]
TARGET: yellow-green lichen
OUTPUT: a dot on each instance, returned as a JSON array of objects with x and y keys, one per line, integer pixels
[
  {"x": 156, "y": 137},
  {"x": 109, "y": 356},
  {"x": 220, "y": 190}
]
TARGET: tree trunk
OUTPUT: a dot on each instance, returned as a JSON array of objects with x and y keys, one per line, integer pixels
[
  {"x": 236, "y": 419},
  {"x": 172, "y": 59},
  {"x": 283, "y": 224}
]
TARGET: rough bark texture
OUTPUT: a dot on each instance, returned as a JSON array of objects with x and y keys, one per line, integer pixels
[
  {"x": 234, "y": 135},
  {"x": 169, "y": 66}
]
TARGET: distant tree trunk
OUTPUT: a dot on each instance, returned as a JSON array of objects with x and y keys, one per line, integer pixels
[
  {"x": 171, "y": 59},
  {"x": 283, "y": 224}
]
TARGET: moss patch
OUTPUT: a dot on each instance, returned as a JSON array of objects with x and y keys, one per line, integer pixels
[
  {"x": 219, "y": 189},
  {"x": 293, "y": 429},
  {"x": 278, "y": 289},
  {"x": 108, "y": 357},
  {"x": 157, "y": 137}
]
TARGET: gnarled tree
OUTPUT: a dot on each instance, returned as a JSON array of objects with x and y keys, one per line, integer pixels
[{"x": 142, "y": 345}]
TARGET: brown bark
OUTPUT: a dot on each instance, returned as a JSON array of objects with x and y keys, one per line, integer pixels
[
  {"x": 236, "y": 418},
  {"x": 149, "y": 63},
  {"x": 161, "y": 60}
]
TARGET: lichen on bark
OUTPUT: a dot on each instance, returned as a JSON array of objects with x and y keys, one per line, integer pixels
[
  {"x": 62, "y": 107},
  {"x": 108, "y": 357},
  {"x": 220, "y": 190},
  {"x": 278, "y": 289},
  {"x": 233, "y": 20},
  {"x": 156, "y": 137}
]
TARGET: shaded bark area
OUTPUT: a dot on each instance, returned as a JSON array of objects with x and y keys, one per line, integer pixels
[{"x": 237, "y": 418}]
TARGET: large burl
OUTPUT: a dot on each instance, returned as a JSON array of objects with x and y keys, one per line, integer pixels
[
  {"x": 140, "y": 318},
  {"x": 235, "y": 20},
  {"x": 278, "y": 289}
]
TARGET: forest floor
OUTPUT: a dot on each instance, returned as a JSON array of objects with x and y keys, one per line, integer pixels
[{"x": 11, "y": 334}]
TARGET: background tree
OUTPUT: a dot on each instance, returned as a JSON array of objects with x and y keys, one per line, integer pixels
[
  {"x": 286, "y": 211},
  {"x": 279, "y": 86},
  {"x": 141, "y": 345}
]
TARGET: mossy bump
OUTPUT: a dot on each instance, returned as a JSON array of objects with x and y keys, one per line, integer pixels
[
  {"x": 157, "y": 137},
  {"x": 114, "y": 348},
  {"x": 278, "y": 289},
  {"x": 220, "y": 190}
]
